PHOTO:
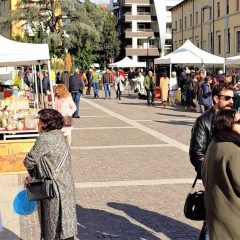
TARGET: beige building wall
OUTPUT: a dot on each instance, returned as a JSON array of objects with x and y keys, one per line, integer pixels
[{"x": 195, "y": 20}]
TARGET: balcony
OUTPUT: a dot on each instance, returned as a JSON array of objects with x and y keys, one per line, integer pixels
[
  {"x": 140, "y": 2},
  {"x": 140, "y": 33},
  {"x": 141, "y": 16},
  {"x": 152, "y": 50}
]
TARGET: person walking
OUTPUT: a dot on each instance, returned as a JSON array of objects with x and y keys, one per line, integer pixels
[
  {"x": 201, "y": 135},
  {"x": 46, "y": 89},
  {"x": 118, "y": 83},
  {"x": 221, "y": 179},
  {"x": 57, "y": 215},
  {"x": 89, "y": 81},
  {"x": 206, "y": 95},
  {"x": 95, "y": 81},
  {"x": 150, "y": 86},
  {"x": 164, "y": 88},
  {"x": 65, "y": 105},
  {"x": 140, "y": 86},
  {"x": 107, "y": 79},
  {"x": 76, "y": 88},
  {"x": 173, "y": 87}
]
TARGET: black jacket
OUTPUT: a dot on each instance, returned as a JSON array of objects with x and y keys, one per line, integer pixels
[
  {"x": 200, "y": 138},
  {"x": 76, "y": 83}
]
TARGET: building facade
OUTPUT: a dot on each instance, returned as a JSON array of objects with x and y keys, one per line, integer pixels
[
  {"x": 212, "y": 25},
  {"x": 144, "y": 27}
]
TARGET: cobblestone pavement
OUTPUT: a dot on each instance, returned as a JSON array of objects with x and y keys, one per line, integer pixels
[{"x": 132, "y": 172}]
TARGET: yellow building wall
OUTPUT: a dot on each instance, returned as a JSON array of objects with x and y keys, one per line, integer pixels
[{"x": 231, "y": 21}]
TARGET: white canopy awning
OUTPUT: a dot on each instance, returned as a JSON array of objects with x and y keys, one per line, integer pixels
[
  {"x": 127, "y": 63},
  {"x": 14, "y": 53},
  {"x": 235, "y": 60},
  {"x": 188, "y": 53}
]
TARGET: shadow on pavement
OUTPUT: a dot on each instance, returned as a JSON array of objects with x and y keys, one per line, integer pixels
[
  {"x": 184, "y": 123},
  {"x": 174, "y": 115},
  {"x": 6, "y": 234},
  {"x": 99, "y": 224},
  {"x": 170, "y": 227}
]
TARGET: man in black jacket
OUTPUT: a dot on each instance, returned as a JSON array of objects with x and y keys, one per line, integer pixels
[
  {"x": 201, "y": 136},
  {"x": 76, "y": 88}
]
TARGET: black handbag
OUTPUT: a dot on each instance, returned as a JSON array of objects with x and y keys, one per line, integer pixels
[
  {"x": 194, "y": 204},
  {"x": 39, "y": 189},
  {"x": 43, "y": 188}
]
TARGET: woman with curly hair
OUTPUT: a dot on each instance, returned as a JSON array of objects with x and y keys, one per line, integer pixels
[
  {"x": 57, "y": 215},
  {"x": 66, "y": 106}
]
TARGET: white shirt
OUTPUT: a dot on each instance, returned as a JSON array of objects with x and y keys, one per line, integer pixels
[{"x": 173, "y": 83}]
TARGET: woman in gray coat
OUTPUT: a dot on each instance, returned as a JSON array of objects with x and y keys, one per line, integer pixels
[
  {"x": 221, "y": 178},
  {"x": 57, "y": 215}
]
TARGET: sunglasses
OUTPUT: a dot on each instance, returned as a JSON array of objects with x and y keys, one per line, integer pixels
[{"x": 226, "y": 98}]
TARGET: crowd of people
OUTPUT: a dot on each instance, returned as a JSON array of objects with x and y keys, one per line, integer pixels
[{"x": 213, "y": 146}]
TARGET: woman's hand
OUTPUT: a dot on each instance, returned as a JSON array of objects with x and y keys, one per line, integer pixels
[{"x": 27, "y": 180}]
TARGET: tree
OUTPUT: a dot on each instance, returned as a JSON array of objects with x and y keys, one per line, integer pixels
[{"x": 91, "y": 31}]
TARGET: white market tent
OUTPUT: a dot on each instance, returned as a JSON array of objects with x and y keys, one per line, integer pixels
[
  {"x": 127, "y": 63},
  {"x": 189, "y": 53},
  {"x": 233, "y": 60},
  {"x": 14, "y": 53}
]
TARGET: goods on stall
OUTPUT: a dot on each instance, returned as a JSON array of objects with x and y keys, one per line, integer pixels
[{"x": 15, "y": 114}]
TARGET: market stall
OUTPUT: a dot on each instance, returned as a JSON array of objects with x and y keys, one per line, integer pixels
[
  {"x": 127, "y": 63},
  {"x": 189, "y": 53},
  {"x": 18, "y": 123}
]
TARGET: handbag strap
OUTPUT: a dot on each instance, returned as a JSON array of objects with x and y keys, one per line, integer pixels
[
  {"x": 195, "y": 181},
  {"x": 59, "y": 167}
]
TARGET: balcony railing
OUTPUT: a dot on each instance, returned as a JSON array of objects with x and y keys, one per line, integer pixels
[
  {"x": 139, "y": 30},
  {"x": 141, "y": 47},
  {"x": 138, "y": 13}
]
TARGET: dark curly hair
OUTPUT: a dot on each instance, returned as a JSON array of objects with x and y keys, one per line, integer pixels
[
  {"x": 219, "y": 87},
  {"x": 51, "y": 119}
]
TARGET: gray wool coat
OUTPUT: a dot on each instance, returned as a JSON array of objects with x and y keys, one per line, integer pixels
[
  {"x": 57, "y": 215},
  {"x": 221, "y": 178}
]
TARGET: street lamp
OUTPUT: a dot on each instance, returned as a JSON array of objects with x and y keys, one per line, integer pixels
[{"x": 202, "y": 14}]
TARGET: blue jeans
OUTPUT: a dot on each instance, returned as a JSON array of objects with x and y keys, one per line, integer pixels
[
  {"x": 76, "y": 98},
  {"x": 95, "y": 88},
  {"x": 107, "y": 90}
]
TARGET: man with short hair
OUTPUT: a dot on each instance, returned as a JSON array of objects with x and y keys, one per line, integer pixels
[
  {"x": 76, "y": 88},
  {"x": 201, "y": 136},
  {"x": 150, "y": 85},
  {"x": 107, "y": 79}
]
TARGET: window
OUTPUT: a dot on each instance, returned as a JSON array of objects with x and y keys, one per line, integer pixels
[
  {"x": 227, "y": 6},
  {"x": 196, "y": 18},
  {"x": 238, "y": 41},
  {"x": 219, "y": 44},
  {"x": 185, "y": 22},
  {"x": 228, "y": 40},
  {"x": 176, "y": 25},
  {"x": 237, "y": 5},
  {"x": 218, "y": 9},
  {"x": 180, "y": 24},
  {"x": 191, "y": 23}
]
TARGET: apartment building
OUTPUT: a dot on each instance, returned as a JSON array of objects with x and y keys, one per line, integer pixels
[
  {"x": 212, "y": 25},
  {"x": 144, "y": 27}
]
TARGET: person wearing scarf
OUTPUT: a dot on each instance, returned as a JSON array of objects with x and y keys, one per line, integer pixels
[{"x": 221, "y": 177}]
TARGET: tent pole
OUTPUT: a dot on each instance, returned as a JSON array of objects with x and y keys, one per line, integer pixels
[
  {"x": 41, "y": 87},
  {"x": 224, "y": 68},
  {"x": 36, "y": 86},
  {"x": 51, "y": 84}
]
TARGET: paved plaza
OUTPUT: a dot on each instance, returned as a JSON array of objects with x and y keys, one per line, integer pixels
[{"x": 132, "y": 173}]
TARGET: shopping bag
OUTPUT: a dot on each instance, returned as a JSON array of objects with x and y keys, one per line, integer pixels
[
  {"x": 22, "y": 205},
  {"x": 178, "y": 95}
]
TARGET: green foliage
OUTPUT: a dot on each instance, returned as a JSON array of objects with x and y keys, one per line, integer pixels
[{"x": 91, "y": 34}]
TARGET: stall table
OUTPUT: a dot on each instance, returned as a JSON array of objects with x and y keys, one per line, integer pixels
[{"x": 13, "y": 148}]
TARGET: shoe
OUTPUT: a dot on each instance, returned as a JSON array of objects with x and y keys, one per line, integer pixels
[
  {"x": 77, "y": 117},
  {"x": 119, "y": 98},
  {"x": 116, "y": 97},
  {"x": 153, "y": 103}
]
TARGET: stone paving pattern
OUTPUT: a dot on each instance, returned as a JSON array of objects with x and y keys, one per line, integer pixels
[{"x": 130, "y": 212}]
